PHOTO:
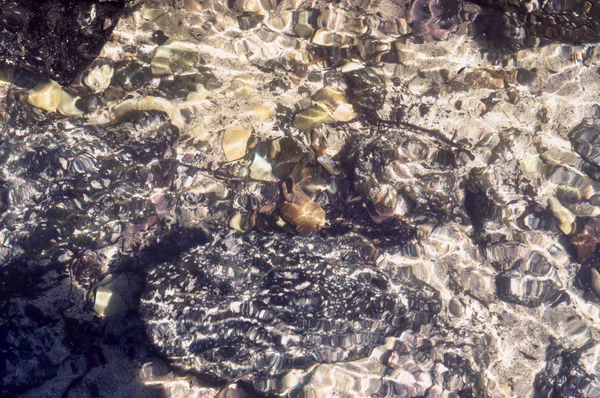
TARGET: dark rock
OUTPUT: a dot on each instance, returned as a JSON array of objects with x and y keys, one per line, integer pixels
[
  {"x": 525, "y": 24},
  {"x": 513, "y": 287},
  {"x": 256, "y": 306},
  {"x": 437, "y": 194},
  {"x": 563, "y": 375},
  {"x": 525, "y": 76},
  {"x": 68, "y": 181},
  {"x": 472, "y": 384},
  {"x": 57, "y": 39},
  {"x": 159, "y": 37},
  {"x": 89, "y": 103},
  {"x": 585, "y": 139},
  {"x": 589, "y": 278},
  {"x": 366, "y": 89}
]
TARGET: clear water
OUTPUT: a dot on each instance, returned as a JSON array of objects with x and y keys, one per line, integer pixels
[{"x": 254, "y": 198}]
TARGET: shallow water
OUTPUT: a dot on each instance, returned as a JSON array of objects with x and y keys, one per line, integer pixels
[{"x": 254, "y": 198}]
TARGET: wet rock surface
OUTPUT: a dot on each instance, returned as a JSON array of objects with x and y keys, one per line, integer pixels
[
  {"x": 250, "y": 198},
  {"x": 256, "y": 306},
  {"x": 527, "y": 23},
  {"x": 57, "y": 39}
]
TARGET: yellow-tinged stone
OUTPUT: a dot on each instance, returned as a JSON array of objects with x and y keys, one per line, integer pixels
[
  {"x": 328, "y": 98},
  {"x": 108, "y": 302},
  {"x": 242, "y": 85},
  {"x": 151, "y": 103},
  {"x": 530, "y": 163},
  {"x": 307, "y": 217},
  {"x": 254, "y": 7},
  {"x": 6, "y": 75},
  {"x": 150, "y": 14},
  {"x": 335, "y": 104},
  {"x": 280, "y": 222},
  {"x": 98, "y": 78},
  {"x": 351, "y": 66},
  {"x": 46, "y": 96},
  {"x": 240, "y": 222},
  {"x": 173, "y": 57},
  {"x": 199, "y": 133},
  {"x": 236, "y": 221},
  {"x": 303, "y": 27},
  {"x": 200, "y": 94},
  {"x": 156, "y": 103},
  {"x": 344, "y": 113},
  {"x": 234, "y": 142},
  {"x": 312, "y": 118},
  {"x": 260, "y": 113},
  {"x": 161, "y": 61},
  {"x": 566, "y": 218},
  {"x": 67, "y": 106},
  {"x": 197, "y": 5}
]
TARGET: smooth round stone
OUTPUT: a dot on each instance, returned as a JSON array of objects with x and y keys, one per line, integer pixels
[
  {"x": 456, "y": 308},
  {"x": 564, "y": 216},
  {"x": 159, "y": 37},
  {"x": 240, "y": 222}
]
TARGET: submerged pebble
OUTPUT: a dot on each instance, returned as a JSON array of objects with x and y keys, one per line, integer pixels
[
  {"x": 241, "y": 222},
  {"x": 46, "y": 96},
  {"x": 98, "y": 78},
  {"x": 107, "y": 301},
  {"x": 261, "y": 169},
  {"x": 335, "y": 103},
  {"x": 235, "y": 140},
  {"x": 312, "y": 118}
]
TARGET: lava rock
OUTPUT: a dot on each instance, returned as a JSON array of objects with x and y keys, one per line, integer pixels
[
  {"x": 523, "y": 24},
  {"x": 68, "y": 180},
  {"x": 57, "y": 39},
  {"x": 585, "y": 139},
  {"x": 366, "y": 89},
  {"x": 436, "y": 193},
  {"x": 252, "y": 306},
  {"x": 564, "y": 376}
]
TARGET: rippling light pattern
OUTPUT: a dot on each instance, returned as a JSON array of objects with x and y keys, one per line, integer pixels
[{"x": 308, "y": 199}]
